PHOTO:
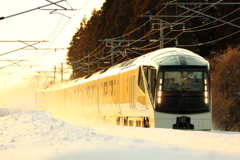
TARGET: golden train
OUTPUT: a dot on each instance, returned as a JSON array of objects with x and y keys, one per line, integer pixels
[{"x": 166, "y": 88}]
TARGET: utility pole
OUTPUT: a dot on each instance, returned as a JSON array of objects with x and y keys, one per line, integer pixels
[
  {"x": 5, "y": 85},
  {"x": 62, "y": 72},
  {"x": 36, "y": 80},
  {"x": 161, "y": 33},
  {"x": 54, "y": 75},
  {"x": 112, "y": 56}
]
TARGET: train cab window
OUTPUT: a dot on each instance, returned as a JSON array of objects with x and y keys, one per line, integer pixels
[
  {"x": 183, "y": 80},
  {"x": 152, "y": 80},
  {"x": 150, "y": 74},
  {"x": 140, "y": 80}
]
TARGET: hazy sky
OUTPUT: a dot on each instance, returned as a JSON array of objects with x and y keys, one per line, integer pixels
[{"x": 37, "y": 25}]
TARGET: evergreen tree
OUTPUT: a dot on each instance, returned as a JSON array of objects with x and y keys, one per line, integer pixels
[{"x": 120, "y": 17}]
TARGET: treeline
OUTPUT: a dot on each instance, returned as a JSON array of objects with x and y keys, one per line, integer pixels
[{"x": 122, "y": 18}]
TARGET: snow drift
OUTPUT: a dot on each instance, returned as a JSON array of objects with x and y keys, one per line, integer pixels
[{"x": 37, "y": 135}]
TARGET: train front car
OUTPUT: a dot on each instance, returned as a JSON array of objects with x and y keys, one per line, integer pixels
[{"x": 182, "y": 96}]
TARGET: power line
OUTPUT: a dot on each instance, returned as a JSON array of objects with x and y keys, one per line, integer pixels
[
  {"x": 27, "y": 45},
  {"x": 31, "y": 61},
  {"x": 179, "y": 21},
  {"x": 53, "y": 3},
  {"x": 210, "y": 16},
  {"x": 210, "y": 41}
]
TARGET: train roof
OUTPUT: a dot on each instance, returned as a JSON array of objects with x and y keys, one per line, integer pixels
[
  {"x": 167, "y": 58},
  {"x": 176, "y": 57}
]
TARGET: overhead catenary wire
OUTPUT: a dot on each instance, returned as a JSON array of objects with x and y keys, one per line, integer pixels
[
  {"x": 146, "y": 47},
  {"x": 199, "y": 44},
  {"x": 150, "y": 20},
  {"x": 128, "y": 33},
  {"x": 191, "y": 29},
  {"x": 31, "y": 58},
  {"x": 55, "y": 3},
  {"x": 204, "y": 9}
]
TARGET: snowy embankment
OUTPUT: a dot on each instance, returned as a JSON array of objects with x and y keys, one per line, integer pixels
[
  {"x": 36, "y": 135},
  {"x": 8, "y": 111}
]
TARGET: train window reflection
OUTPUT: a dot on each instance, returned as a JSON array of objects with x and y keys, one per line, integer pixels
[{"x": 183, "y": 80}]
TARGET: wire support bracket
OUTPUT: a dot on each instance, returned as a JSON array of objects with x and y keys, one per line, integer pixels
[
  {"x": 24, "y": 42},
  {"x": 40, "y": 8},
  {"x": 209, "y": 16}
]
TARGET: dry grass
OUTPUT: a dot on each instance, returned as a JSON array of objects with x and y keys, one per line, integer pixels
[{"x": 225, "y": 81}]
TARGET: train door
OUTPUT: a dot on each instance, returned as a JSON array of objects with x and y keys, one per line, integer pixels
[{"x": 150, "y": 74}]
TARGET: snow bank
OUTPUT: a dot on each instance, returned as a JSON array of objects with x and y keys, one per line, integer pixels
[
  {"x": 36, "y": 135},
  {"x": 217, "y": 142}
]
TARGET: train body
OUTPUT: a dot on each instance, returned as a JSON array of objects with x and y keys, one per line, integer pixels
[{"x": 166, "y": 88}]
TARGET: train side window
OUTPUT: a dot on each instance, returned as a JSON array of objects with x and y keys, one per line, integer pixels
[
  {"x": 140, "y": 80},
  {"x": 88, "y": 92},
  {"x": 111, "y": 87},
  {"x": 102, "y": 89},
  {"x": 78, "y": 96},
  {"x": 93, "y": 91},
  {"x": 105, "y": 89},
  {"x": 127, "y": 85}
]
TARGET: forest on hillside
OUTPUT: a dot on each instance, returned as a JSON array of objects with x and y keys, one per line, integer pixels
[
  {"x": 122, "y": 29},
  {"x": 139, "y": 21}
]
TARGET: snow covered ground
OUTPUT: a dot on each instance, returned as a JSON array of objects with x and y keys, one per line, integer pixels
[{"x": 37, "y": 135}]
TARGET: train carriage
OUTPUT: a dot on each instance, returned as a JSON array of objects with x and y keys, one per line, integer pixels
[{"x": 166, "y": 88}]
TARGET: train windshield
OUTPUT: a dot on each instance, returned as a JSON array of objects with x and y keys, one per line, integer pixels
[
  {"x": 182, "y": 80},
  {"x": 183, "y": 92}
]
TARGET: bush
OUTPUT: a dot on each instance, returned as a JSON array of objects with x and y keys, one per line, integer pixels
[{"x": 225, "y": 81}]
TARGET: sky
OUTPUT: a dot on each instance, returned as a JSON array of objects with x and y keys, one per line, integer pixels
[
  {"x": 34, "y": 26},
  {"x": 37, "y": 135}
]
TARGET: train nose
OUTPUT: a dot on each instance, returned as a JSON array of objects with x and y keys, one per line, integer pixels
[{"x": 183, "y": 123}]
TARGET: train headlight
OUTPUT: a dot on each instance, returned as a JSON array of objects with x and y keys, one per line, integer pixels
[
  {"x": 159, "y": 100},
  {"x": 206, "y": 100},
  {"x": 206, "y": 94},
  {"x": 205, "y": 91},
  {"x": 206, "y": 97},
  {"x": 205, "y": 81},
  {"x": 160, "y": 91}
]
